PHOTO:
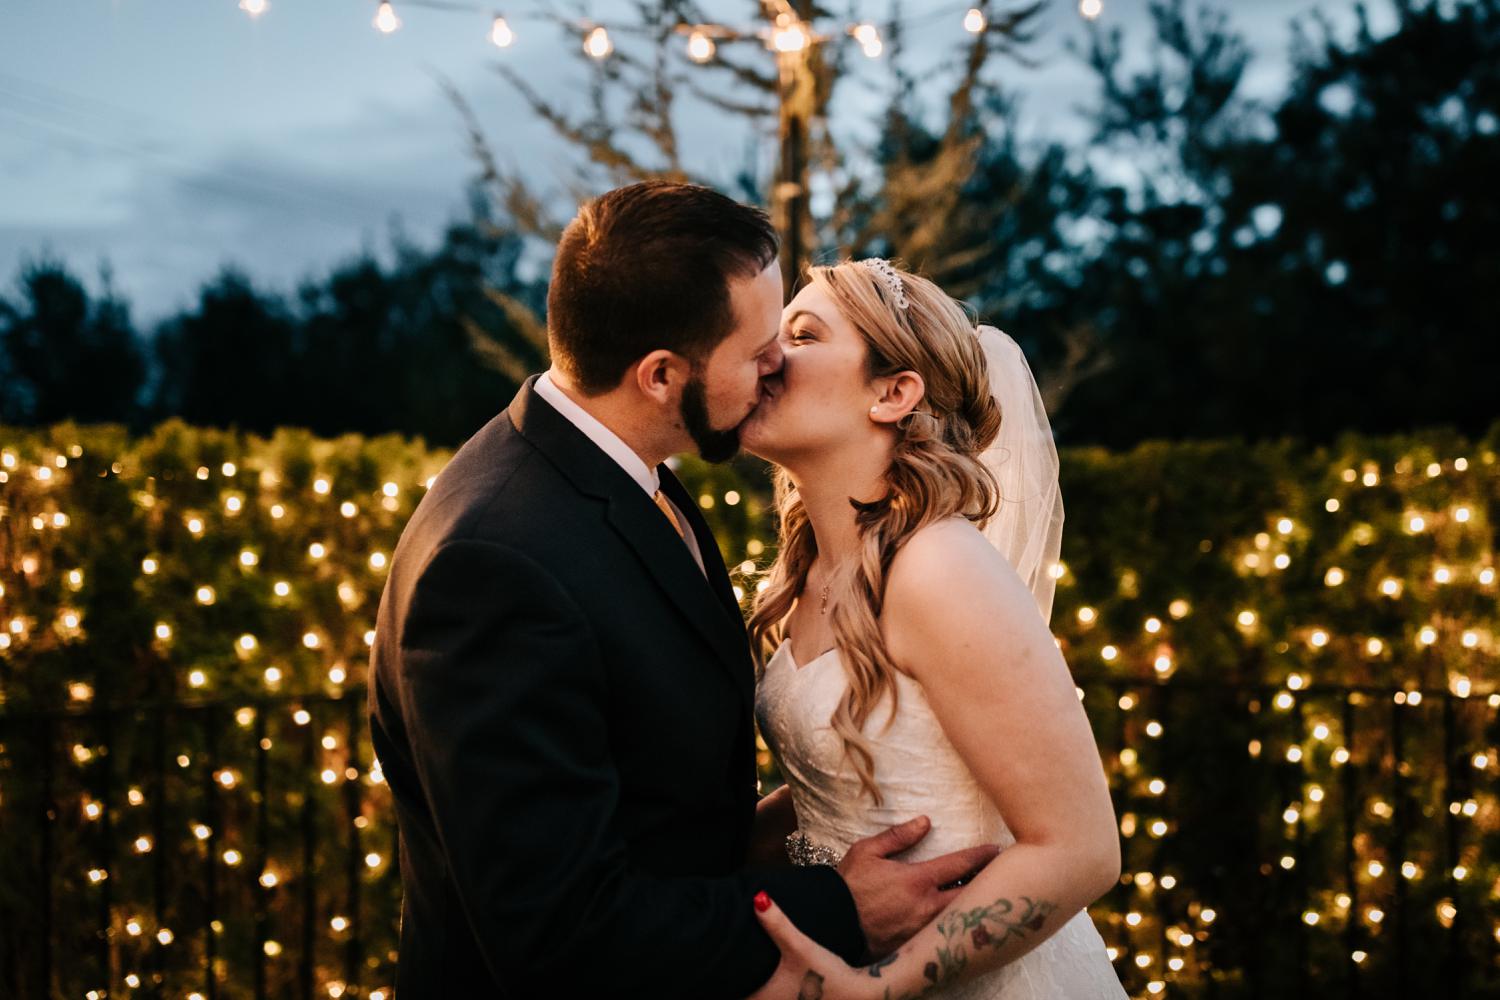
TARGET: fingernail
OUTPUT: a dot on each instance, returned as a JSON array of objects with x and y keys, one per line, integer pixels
[{"x": 762, "y": 902}]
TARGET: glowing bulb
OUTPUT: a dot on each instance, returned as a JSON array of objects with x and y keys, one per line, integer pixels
[
  {"x": 502, "y": 37},
  {"x": 386, "y": 19},
  {"x": 974, "y": 21},
  {"x": 597, "y": 44},
  {"x": 1091, "y": 9},
  {"x": 1086, "y": 615},
  {"x": 790, "y": 38},
  {"x": 700, "y": 47},
  {"x": 1333, "y": 577},
  {"x": 1461, "y": 515},
  {"x": 255, "y": 8}
]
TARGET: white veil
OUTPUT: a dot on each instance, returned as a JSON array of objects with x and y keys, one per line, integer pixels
[{"x": 1027, "y": 529}]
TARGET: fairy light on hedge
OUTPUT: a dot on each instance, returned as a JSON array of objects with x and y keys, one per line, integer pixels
[{"x": 319, "y": 549}]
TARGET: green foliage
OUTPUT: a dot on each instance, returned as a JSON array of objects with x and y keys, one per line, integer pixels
[{"x": 1242, "y": 720}]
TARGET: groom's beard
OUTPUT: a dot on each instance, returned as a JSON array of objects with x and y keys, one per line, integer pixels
[{"x": 713, "y": 445}]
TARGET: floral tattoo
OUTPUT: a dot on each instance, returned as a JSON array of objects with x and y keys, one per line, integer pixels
[{"x": 993, "y": 926}]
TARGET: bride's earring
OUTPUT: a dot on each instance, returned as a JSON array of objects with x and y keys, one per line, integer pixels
[{"x": 874, "y": 408}]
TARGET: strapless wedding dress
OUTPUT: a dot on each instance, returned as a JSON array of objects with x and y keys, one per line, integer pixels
[{"x": 919, "y": 773}]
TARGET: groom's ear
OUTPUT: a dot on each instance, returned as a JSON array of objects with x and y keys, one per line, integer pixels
[
  {"x": 661, "y": 375},
  {"x": 899, "y": 394}
]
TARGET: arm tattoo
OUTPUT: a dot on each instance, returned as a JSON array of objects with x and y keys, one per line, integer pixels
[
  {"x": 874, "y": 968},
  {"x": 812, "y": 987},
  {"x": 992, "y": 926}
]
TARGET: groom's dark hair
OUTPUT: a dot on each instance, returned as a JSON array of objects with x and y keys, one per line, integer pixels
[{"x": 647, "y": 267}]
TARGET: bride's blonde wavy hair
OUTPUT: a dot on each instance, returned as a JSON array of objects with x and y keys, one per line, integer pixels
[{"x": 935, "y": 473}]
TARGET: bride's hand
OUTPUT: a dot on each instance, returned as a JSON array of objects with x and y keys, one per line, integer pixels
[{"x": 807, "y": 970}]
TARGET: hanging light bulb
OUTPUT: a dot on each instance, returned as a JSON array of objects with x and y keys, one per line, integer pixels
[
  {"x": 501, "y": 34},
  {"x": 789, "y": 36},
  {"x": 1091, "y": 8},
  {"x": 868, "y": 37},
  {"x": 255, "y": 8},
  {"x": 385, "y": 18},
  {"x": 974, "y": 21},
  {"x": 700, "y": 47},
  {"x": 597, "y": 44}
]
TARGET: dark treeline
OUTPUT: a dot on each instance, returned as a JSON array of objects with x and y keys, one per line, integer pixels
[{"x": 1207, "y": 266}]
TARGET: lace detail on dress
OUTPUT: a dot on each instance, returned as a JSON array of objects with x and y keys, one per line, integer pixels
[{"x": 919, "y": 771}]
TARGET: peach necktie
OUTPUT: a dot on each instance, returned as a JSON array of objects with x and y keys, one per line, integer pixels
[{"x": 661, "y": 502}]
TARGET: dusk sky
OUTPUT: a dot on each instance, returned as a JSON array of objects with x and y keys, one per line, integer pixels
[{"x": 172, "y": 136}]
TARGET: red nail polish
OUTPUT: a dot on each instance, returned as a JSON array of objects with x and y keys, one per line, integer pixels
[{"x": 762, "y": 902}]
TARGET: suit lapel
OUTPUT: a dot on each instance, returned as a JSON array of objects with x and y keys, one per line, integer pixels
[
  {"x": 708, "y": 546},
  {"x": 633, "y": 515}
]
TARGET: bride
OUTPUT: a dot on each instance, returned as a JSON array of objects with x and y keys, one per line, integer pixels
[{"x": 911, "y": 667}]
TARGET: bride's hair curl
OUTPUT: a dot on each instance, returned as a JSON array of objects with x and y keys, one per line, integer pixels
[{"x": 935, "y": 473}]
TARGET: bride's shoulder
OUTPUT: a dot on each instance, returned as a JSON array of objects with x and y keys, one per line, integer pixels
[
  {"x": 940, "y": 551},
  {"x": 947, "y": 580}
]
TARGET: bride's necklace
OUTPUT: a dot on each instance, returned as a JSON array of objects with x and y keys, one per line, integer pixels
[{"x": 823, "y": 608}]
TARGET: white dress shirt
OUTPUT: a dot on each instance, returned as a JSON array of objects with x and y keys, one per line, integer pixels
[{"x": 624, "y": 456}]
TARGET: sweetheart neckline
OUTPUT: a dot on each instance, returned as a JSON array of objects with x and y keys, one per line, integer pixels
[{"x": 799, "y": 667}]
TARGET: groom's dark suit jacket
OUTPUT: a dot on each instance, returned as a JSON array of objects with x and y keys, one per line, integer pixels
[{"x": 561, "y": 704}]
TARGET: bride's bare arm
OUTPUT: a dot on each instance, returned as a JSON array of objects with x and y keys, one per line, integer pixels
[
  {"x": 964, "y": 625},
  {"x": 960, "y": 621}
]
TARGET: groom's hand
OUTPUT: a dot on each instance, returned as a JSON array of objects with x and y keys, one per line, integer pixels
[
  {"x": 895, "y": 899},
  {"x": 774, "y": 820}
]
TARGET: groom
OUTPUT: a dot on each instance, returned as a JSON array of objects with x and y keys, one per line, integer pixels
[{"x": 560, "y": 685}]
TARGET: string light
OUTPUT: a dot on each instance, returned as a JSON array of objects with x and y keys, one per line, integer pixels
[
  {"x": 597, "y": 43},
  {"x": 790, "y": 37},
  {"x": 974, "y": 21},
  {"x": 1091, "y": 9},
  {"x": 386, "y": 19},
  {"x": 700, "y": 47},
  {"x": 502, "y": 37}
]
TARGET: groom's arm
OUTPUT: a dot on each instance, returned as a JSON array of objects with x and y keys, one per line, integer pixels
[{"x": 503, "y": 699}]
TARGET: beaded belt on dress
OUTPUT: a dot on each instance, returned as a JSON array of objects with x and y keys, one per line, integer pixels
[{"x": 804, "y": 852}]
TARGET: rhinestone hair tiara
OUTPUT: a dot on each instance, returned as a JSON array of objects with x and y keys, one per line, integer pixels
[{"x": 887, "y": 274}]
